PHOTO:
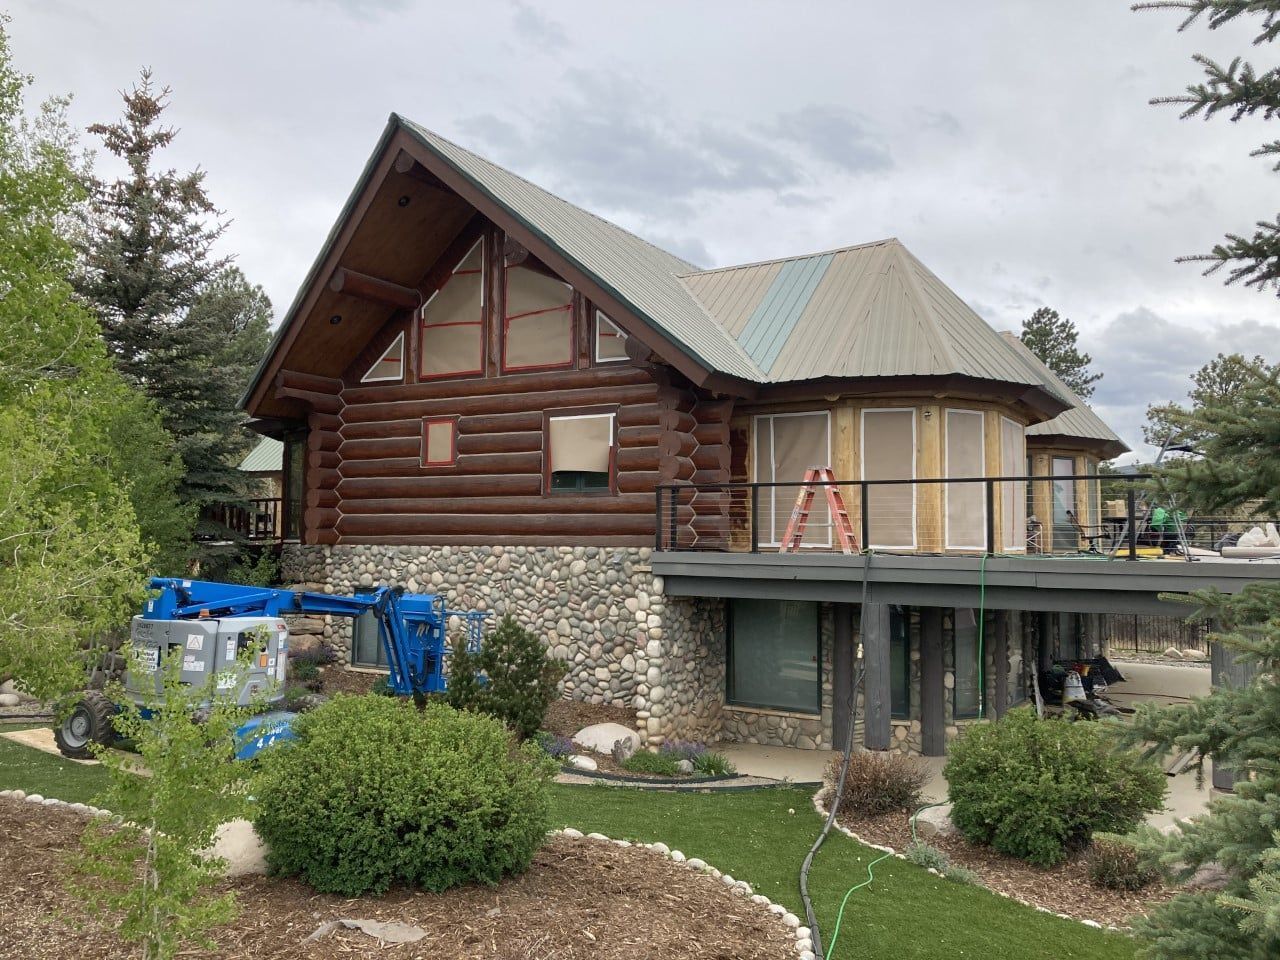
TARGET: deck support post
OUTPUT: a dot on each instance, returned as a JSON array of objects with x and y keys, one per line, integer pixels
[
  {"x": 1226, "y": 671},
  {"x": 842, "y": 666},
  {"x": 933, "y": 722},
  {"x": 1000, "y": 653},
  {"x": 875, "y": 651}
]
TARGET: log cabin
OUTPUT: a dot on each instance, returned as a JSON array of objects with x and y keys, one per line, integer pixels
[{"x": 485, "y": 391}]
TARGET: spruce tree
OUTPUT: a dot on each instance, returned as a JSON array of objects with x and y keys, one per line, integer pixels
[
  {"x": 1053, "y": 339},
  {"x": 1214, "y": 383}
]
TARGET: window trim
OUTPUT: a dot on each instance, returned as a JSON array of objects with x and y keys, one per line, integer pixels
[
  {"x": 568, "y": 413},
  {"x": 369, "y": 378},
  {"x": 569, "y": 309},
  {"x": 729, "y": 699},
  {"x": 915, "y": 472},
  {"x": 980, "y": 710},
  {"x": 293, "y": 438},
  {"x": 773, "y": 469},
  {"x": 599, "y": 315},
  {"x": 422, "y": 321},
  {"x": 946, "y": 473},
  {"x": 904, "y": 621},
  {"x": 453, "y": 443},
  {"x": 1010, "y": 489}
]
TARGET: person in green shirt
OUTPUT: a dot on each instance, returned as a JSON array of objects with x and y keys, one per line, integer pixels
[{"x": 1164, "y": 525}]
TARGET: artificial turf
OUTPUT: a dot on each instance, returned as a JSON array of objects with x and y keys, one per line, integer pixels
[{"x": 760, "y": 836}]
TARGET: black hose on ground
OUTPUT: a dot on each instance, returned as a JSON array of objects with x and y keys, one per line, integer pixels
[{"x": 810, "y": 917}]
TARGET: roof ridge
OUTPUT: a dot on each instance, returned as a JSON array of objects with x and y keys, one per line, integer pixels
[
  {"x": 525, "y": 180},
  {"x": 803, "y": 256}
]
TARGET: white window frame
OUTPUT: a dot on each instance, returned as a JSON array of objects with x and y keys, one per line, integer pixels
[
  {"x": 612, "y": 417},
  {"x": 602, "y": 316},
  {"x": 368, "y": 378},
  {"x": 773, "y": 469},
  {"x": 1018, "y": 491},
  {"x": 946, "y": 473},
  {"x": 421, "y": 324},
  {"x": 915, "y": 468}
]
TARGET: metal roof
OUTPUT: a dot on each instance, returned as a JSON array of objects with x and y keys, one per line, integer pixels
[
  {"x": 871, "y": 310},
  {"x": 266, "y": 457},
  {"x": 1080, "y": 422}
]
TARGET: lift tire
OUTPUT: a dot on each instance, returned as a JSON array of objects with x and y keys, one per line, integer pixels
[{"x": 88, "y": 722}]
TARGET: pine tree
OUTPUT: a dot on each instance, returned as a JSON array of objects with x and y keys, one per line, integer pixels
[
  {"x": 1238, "y": 91},
  {"x": 1214, "y": 383},
  {"x": 1054, "y": 340}
]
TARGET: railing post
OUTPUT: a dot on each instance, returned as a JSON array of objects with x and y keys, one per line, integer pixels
[
  {"x": 675, "y": 542},
  {"x": 657, "y": 518},
  {"x": 991, "y": 516},
  {"x": 755, "y": 518},
  {"x": 864, "y": 514},
  {"x": 1131, "y": 496}
]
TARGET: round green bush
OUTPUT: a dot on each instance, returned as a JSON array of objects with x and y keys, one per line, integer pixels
[
  {"x": 375, "y": 792},
  {"x": 1036, "y": 789}
]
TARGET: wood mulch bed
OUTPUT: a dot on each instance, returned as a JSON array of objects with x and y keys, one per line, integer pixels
[
  {"x": 566, "y": 717},
  {"x": 1062, "y": 889},
  {"x": 338, "y": 679},
  {"x": 579, "y": 899}
]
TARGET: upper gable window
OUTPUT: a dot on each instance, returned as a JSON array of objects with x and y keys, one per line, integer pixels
[
  {"x": 453, "y": 321},
  {"x": 537, "y": 330},
  {"x": 389, "y": 366},
  {"x": 611, "y": 343}
]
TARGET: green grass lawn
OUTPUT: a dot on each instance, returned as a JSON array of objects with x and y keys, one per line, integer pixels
[{"x": 905, "y": 913}]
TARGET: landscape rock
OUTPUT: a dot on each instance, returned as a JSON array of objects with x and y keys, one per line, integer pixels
[
  {"x": 1190, "y": 654},
  {"x": 600, "y": 737},
  {"x": 385, "y": 931},
  {"x": 10, "y": 700},
  {"x": 239, "y": 845},
  {"x": 625, "y": 748},
  {"x": 579, "y": 762},
  {"x": 685, "y": 766},
  {"x": 1173, "y": 653},
  {"x": 936, "y": 822}
]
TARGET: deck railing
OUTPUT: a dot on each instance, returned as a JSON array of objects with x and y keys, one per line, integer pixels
[
  {"x": 259, "y": 520},
  {"x": 1007, "y": 514}
]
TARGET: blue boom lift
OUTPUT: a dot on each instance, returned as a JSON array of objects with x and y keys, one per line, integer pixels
[{"x": 208, "y": 624}]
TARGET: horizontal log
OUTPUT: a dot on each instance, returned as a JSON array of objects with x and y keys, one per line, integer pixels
[
  {"x": 308, "y": 381},
  {"x": 352, "y": 283},
  {"x": 326, "y": 536},
  {"x": 676, "y": 420},
  {"x": 320, "y": 402},
  {"x": 324, "y": 421},
  {"x": 323, "y": 440},
  {"x": 439, "y": 485},
  {"x": 549, "y": 400},
  {"x": 476, "y": 464},
  {"x": 410, "y": 446},
  {"x": 637, "y": 458},
  {"x": 713, "y": 526},
  {"x": 711, "y": 458},
  {"x": 559, "y": 503},
  {"x": 643, "y": 481},
  {"x": 704, "y": 502},
  {"x": 498, "y": 527},
  {"x": 675, "y": 468},
  {"x": 711, "y": 433},
  {"x": 320, "y": 518},
  {"x": 645, "y": 540},
  {"x": 323, "y": 498},
  {"x": 709, "y": 476},
  {"x": 674, "y": 444},
  {"x": 524, "y": 442},
  {"x": 671, "y": 397},
  {"x": 323, "y": 458},
  {"x": 501, "y": 422},
  {"x": 381, "y": 429},
  {"x": 643, "y": 436},
  {"x": 322, "y": 478},
  {"x": 592, "y": 378},
  {"x": 638, "y": 415}
]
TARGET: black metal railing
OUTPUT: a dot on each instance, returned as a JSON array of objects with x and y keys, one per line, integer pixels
[
  {"x": 1007, "y": 514},
  {"x": 258, "y": 519}
]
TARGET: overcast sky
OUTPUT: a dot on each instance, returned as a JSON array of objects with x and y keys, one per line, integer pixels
[{"x": 1008, "y": 144}]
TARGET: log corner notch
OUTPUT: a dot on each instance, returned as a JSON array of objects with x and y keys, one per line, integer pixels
[
  {"x": 321, "y": 394},
  {"x": 375, "y": 289},
  {"x": 406, "y": 166}
]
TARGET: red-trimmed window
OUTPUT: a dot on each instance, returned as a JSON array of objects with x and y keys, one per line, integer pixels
[
  {"x": 439, "y": 441},
  {"x": 389, "y": 366},
  {"x": 453, "y": 322},
  {"x": 537, "y": 329},
  {"x": 611, "y": 343}
]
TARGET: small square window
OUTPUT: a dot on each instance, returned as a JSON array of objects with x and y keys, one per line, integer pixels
[
  {"x": 611, "y": 343},
  {"x": 439, "y": 442},
  {"x": 580, "y": 452}
]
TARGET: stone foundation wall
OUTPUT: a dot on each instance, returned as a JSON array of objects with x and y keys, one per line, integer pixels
[{"x": 601, "y": 610}]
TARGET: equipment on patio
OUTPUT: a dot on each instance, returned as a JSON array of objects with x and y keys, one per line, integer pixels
[
  {"x": 210, "y": 624},
  {"x": 840, "y": 521}
]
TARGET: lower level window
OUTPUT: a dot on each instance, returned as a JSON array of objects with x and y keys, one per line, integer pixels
[
  {"x": 366, "y": 644},
  {"x": 899, "y": 666},
  {"x": 967, "y": 689},
  {"x": 579, "y": 480},
  {"x": 774, "y": 655}
]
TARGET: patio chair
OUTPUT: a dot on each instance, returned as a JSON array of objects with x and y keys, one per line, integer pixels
[
  {"x": 1090, "y": 540},
  {"x": 1035, "y": 535}
]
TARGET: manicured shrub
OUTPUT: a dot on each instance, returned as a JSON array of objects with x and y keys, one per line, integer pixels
[
  {"x": 376, "y": 791},
  {"x": 713, "y": 765},
  {"x": 923, "y": 855},
  {"x": 683, "y": 749},
  {"x": 1114, "y": 863},
  {"x": 960, "y": 874},
  {"x": 1036, "y": 789},
  {"x": 878, "y": 783},
  {"x": 642, "y": 761},
  {"x": 519, "y": 678}
]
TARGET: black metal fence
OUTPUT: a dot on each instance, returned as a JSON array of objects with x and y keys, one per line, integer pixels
[{"x": 1152, "y": 635}]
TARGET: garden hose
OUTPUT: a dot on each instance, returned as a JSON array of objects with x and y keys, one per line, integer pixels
[
  {"x": 982, "y": 654},
  {"x": 811, "y": 918}
]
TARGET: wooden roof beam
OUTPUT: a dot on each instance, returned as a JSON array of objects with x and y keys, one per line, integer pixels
[
  {"x": 365, "y": 287},
  {"x": 407, "y": 166}
]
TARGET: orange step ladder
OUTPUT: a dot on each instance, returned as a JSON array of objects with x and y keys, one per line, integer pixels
[{"x": 804, "y": 503}]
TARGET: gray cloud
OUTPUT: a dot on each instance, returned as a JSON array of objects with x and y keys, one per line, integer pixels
[
  {"x": 840, "y": 137},
  {"x": 536, "y": 29}
]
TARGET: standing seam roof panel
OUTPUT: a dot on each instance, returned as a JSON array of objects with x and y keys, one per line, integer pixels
[{"x": 776, "y": 315}]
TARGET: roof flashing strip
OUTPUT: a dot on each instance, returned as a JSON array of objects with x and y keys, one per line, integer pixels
[{"x": 779, "y": 310}]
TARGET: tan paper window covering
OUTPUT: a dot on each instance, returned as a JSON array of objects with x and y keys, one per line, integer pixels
[
  {"x": 966, "y": 502},
  {"x": 787, "y": 445},
  {"x": 451, "y": 349},
  {"x": 889, "y": 453},
  {"x": 539, "y": 321},
  {"x": 439, "y": 442},
  {"x": 452, "y": 322},
  {"x": 581, "y": 443},
  {"x": 611, "y": 343},
  {"x": 1013, "y": 493},
  {"x": 529, "y": 291},
  {"x": 389, "y": 366}
]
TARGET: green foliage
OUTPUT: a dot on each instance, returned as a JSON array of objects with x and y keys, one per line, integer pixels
[
  {"x": 1218, "y": 382},
  {"x": 878, "y": 782},
  {"x": 960, "y": 874},
  {"x": 1036, "y": 789},
  {"x": 713, "y": 765},
  {"x": 923, "y": 855},
  {"x": 73, "y": 556},
  {"x": 260, "y": 570},
  {"x": 661, "y": 764},
  {"x": 148, "y": 865},
  {"x": 1114, "y": 863},
  {"x": 520, "y": 678},
  {"x": 375, "y": 791},
  {"x": 1054, "y": 340},
  {"x": 1237, "y": 91}
]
